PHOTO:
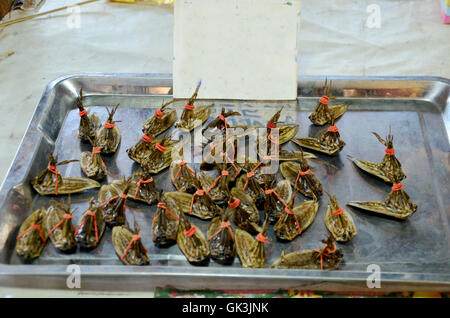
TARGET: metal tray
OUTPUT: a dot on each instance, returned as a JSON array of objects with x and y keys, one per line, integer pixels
[{"x": 412, "y": 254}]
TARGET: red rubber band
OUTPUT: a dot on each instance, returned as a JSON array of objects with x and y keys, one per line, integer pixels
[
  {"x": 191, "y": 231},
  {"x": 271, "y": 125},
  {"x": 65, "y": 217},
  {"x": 136, "y": 237},
  {"x": 324, "y": 100},
  {"x": 302, "y": 174},
  {"x": 141, "y": 181},
  {"x": 159, "y": 114},
  {"x": 90, "y": 213},
  {"x": 338, "y": 211},
  {"x": 160, "y": 147},
  {"x": 199, "y": 192},
  {"x": 322, "y": 253},
  {"x": 223, "y": 225},
  {"x": 33, "y": 227},
  {"x": 390, "y": 151},
  {"x": 235, "y": 203},
  {"x": 109, "y": 125},
  {"x": 146, "y": 138},
  {"x": 189, "y": 107},
  {"x": 53, "y": 170},
  {"x": 333, "y": 129},
  {"x": 82, "y": 112},
  {"x": 163, "y": 206},
  {"x": 397, "y": 187},
  {"x": 262, "y": 238}
]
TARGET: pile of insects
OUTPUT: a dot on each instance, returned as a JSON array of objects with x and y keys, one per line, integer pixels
[{"x": 239, "y": 197}]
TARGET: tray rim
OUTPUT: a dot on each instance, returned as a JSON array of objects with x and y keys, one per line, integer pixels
[{"x": 418, "y": 280}]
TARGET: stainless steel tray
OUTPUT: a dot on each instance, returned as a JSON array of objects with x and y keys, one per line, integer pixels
[{"x": 412, "y": 254}]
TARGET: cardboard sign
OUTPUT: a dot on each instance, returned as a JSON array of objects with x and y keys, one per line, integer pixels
[{"x": 239, "y": 49}]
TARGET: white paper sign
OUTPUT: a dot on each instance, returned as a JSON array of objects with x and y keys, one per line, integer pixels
[{"x": 239, "y": 49}]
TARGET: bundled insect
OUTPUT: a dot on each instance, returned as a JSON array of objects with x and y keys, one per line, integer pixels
[
  {"x": 219, "y": 124},
  {"x": 248, "y": 183},
  {"x": 143, "y": 187},
  {"x": 113, "y": 201},
  {"x": 50, "y": 181},
  {"x": 160, "y": 157},
  {"x": 92, "y": 226},
  {"x": 192, "y": 243},
  {"x": 165, "y": 223},
  {"x": 108, "y": 136},
  {"x": 339, "y": 222},
  {"x": 251, "y": 251},
  {"x": 243, "y": 211},
  {"x": 295, "y": 219},
  {"x": 198, "y": 204},
  {"x": 323, "y": 112},
  {"x": 91, "y": 162},
  {"x": 193, "y": 116},
  {"x": 276, "y": 198},
  {"x": 183, "y": 177},
  {"x": 32, "y": 236},
  {"x": 59, "y": 226},
  {"x": 327, "y": 258},
  {"x": 143, "y": 148},
  {"x": 302, "y": 178},
  {"x": 128, "y": 245},
  {"x": 162, "y": 120},
  {"x": 397, "y": 204},
  {"x": 221, "y": 240},
  {"x": 89, "y": 123},
  {"x": 285, "y": 131},
  {"x": 389, "y": 168},
  {"x": 329, "y": 142}
]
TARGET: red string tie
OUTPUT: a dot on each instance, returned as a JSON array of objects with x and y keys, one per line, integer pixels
[
  {"x": 397, "y": 187},
  {"x": 159, "y": 114},
  {"x": 141, "y": 181},
  {"x": 262, "y": 238},
  {"x": 333, "y": 129},
  {"x": 271, "y": 125},
  {"x": 65, "y": 217},
  {"x": 235, "y": 203},
  {"x": 163, "y": 206},
  {"x": 322, "y": 253},
  {"x": 109, "y": 125},
  {"x": 82, "y": 113},
  {"x": 53, "y": 170},
  {"x": 223, "y": 225},
  {"x": 189, "y": 107},
  {"x": 89, "y": 213},
  {"x": 390, "y": 151},
  {"x": 36, "y": 227},
  {"x": 136, "y": 237},
  {"x": 191, "y": 231},
  {"x": 146, "y": 138},
  {"x": 338, "y": 211},
  {"x": 324, "y": 100},
  {"x": 182, "y": 163},
  {"x": 160, "y": 147},
  {"x": 95, "y": 150},
  {"x": 199, "y": 192},
  {"x": 302, "y": 174}
]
